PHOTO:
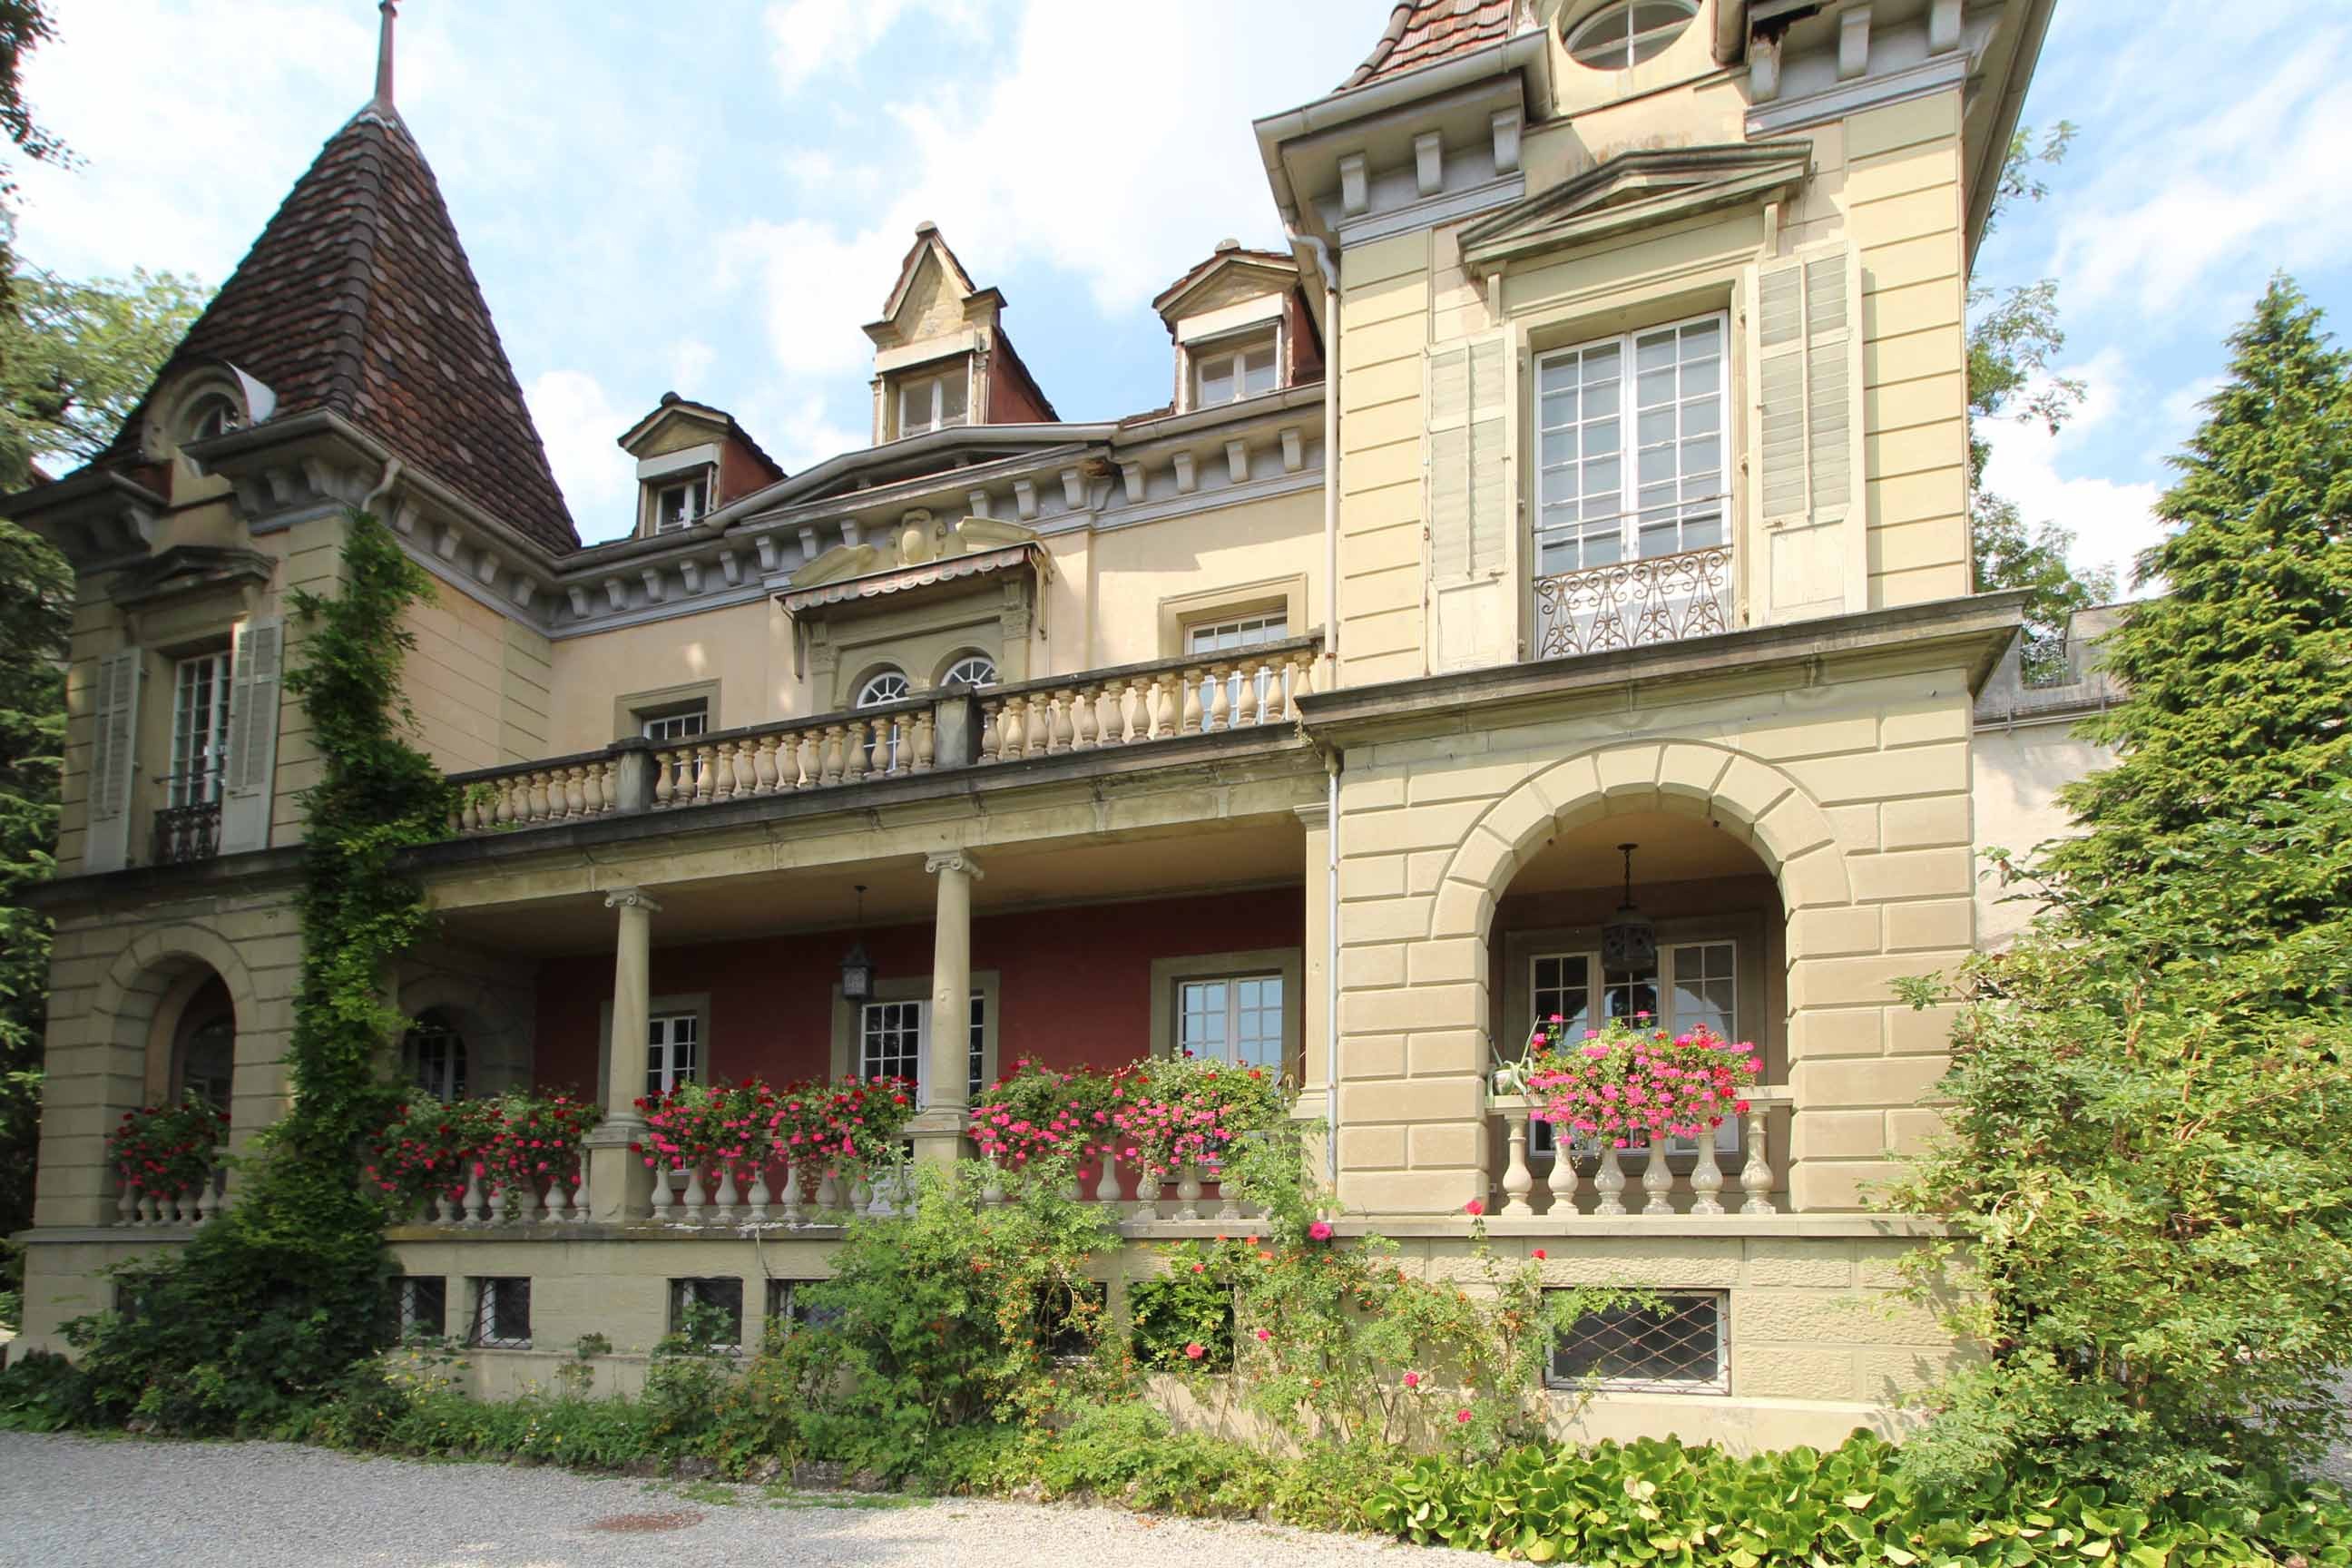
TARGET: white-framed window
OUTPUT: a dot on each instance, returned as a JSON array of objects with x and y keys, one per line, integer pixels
[
  {"x": 1626, "y": 35},
  {"x": 1239, "y": 632},
  {"x": 976, "y": 1072},
  {"x": 1625, "y": 474},
  {"x": 971, "y": 670},
  {"x": 890, "y": 1039},
  {"x": 1234, "y": 1018},
  {"x": 199, "y": 729},
  {"x": 1231, "y": 369},
  {"x": 673, "y": 1051},
  {"x": 433, "y": 1052},
  {"x": 680, "y": 723},
  {"x": 680, "y": 503},
  {"x": 1692, "y": 984},
  {"x": 932, "y": 402},
  {"x": 884, "y": 686}
]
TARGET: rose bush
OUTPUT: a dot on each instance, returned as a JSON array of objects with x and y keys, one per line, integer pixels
[
  {"x": 1630, "y": 1084},
  {"x": 163, "y": 1150}
]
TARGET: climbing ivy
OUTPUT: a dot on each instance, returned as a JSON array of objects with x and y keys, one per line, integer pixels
[{"x": 271, "y": 1304}]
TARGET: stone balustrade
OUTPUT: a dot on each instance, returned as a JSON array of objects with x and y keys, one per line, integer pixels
[
  {"x": 562, "y": 1201},
  {"x": 206, "y": 1201},
  {"x": 1257, "y": 687},
  {"x": 1584, "y": 1180},
  {"x": 1203, "y": 694}
]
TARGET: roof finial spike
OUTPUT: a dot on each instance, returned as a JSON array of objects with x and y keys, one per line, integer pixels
[{"x": 383, "y": 56}]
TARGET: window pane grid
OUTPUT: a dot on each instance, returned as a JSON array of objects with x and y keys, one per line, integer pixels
[
  {"x": 1616, "y": 483},
  {"x": 199, "y": 729},
  {"x": 976, "y": 1074},
  {"x": 502, "y": 1314},
  {"x": 672, "y": 1050},
  {"x": 1235, "y": 1019},
  {"x": 1698, "y": 985},
  {"x": 890, "y": 1040},
  {"x": 1229, "y": 374}
]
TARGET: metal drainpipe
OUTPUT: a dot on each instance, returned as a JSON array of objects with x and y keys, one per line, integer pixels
[{"x": 1331, "y": 681}]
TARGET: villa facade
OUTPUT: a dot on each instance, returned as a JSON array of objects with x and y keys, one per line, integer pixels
[{"x": 1584, "y": 465}]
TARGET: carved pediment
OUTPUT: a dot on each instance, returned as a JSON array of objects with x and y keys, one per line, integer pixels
[{"x": 1636, "y": 190}]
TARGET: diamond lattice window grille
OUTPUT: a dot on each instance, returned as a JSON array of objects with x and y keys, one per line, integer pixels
[
  {"x": 1675, "y": 1347},
  {"x": 502, "y": 1314}
]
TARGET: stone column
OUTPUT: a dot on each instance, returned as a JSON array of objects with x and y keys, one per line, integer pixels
[
  {"x": 619, "y": 1187},
  {"x": 939, "y": 1130}
]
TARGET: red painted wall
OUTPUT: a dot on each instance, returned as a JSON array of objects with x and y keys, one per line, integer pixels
[{"x": 1074, "y": 984}]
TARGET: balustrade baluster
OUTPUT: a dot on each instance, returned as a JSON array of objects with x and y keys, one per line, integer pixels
[
  {"x": 791, "y": 1194},
  {"x": 664, "y": 1198},
  {"x": 1065, "y": 729},
  {"x": 558, "y": 1209},
  {"x": 1190, "y": 724},
  {"x": 809, "y": 772},
  {"x": 592, "y": 788},
  {"x": 1082, "y": 720},
  {"x": 1106, "y": 1188},
  {"x": 576, "y": 791},
  {"x": 698, "y": 1199},
  {"x": 730, "y": 1197},
  {"x": 1010, "y": 725},
  {"x": 858, "y": 751},
  {"x": 126, "y": 1208},
  {"x": 665, "y": 776},
  {"x": 1756, "y": 1177},
  {"x": 1707, "y": 1176},
  {"x": 580, "y": 1194},
  {"x": 703, "y": 782},
  {"x": 1556, "y": 1182},
  {"x": 1610, "y": 1181},
  {"x": 1657, "y": 1182},
  {"x": 925, "y": 742},
  {"x": 1517, "y": 1180},
  {"x": 832, "y": 753},
  {"x": 989, "y": 737},
  {"x": 477, "y": 1211},
  {"x": 1221, "y": 698},
  {"x": 527, "y": 1201},
  {"x": 758, "y": 1211}
]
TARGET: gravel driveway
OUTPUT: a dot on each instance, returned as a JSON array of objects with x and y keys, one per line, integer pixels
[{"x": 73, "y": 1502}]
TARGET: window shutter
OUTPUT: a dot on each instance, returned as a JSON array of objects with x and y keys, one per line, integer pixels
[
  {"x": 1470, "y": 511},
  {"x": 114, "y": 729},
  {"x": 248, "y": 782},
  {"x": 1804, "y": 343}
]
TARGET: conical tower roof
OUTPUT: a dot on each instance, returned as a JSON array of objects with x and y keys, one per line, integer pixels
[{"x": 358, "y": 299}]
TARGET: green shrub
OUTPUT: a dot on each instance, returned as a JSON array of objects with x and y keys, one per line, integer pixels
[
  {"x": 43, "y": 1392},
  {"x": 1653, "y": 1501}
]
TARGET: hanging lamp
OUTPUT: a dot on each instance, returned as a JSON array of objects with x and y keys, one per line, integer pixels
[
  {"x": 856, "y": 968},
  {"x": 1629, "y": 942}
]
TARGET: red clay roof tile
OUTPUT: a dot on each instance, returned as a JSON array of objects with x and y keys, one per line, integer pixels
[{"x": 1423, "y": 32}]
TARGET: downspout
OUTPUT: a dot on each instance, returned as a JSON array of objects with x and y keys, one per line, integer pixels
[
  {"x": 1331, "y": 970},
  {"x": 1330, "y": 682},
  {"x": 383, "y": 486}
]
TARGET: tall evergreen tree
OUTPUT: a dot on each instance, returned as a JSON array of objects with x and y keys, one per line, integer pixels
[{"x": 2241, "y": 676}]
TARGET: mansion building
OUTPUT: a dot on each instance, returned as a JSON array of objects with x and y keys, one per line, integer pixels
[{"x": 1563, "y": 506}]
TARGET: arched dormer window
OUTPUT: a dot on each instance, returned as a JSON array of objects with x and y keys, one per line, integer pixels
[
  {"x": 973, "y": 669},
  {"x": 213, "y": 414}
]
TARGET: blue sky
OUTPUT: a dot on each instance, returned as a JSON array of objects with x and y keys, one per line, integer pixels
[{"x": 713, "y": 197}]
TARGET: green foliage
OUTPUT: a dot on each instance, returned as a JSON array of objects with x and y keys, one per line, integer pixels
[
  {"x": 1176, "y": 1310},
  {"x": 77, "y": 356},
  {"x": 2012, "y": 336},
  {"x": 2150, "y": 1097},
  {"x": 2237, "y": 676},
  {"x": 949, "y": 1314},
  {"x": 267, "y": 1307},
  {"x": 1659, "y": 1503}
]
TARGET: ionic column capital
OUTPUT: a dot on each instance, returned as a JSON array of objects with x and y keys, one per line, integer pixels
[
  {"x": 631, "y": 899},
  {"x": 953, "y": 860}
]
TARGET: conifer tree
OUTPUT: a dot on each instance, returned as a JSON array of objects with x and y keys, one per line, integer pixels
[{"x": 2239, "y": 676}]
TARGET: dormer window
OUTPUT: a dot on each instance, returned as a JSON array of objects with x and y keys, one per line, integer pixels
[
  {"x": 680, "y": 504},
  {"x": 215, "y": 415},
  {"x": 1626, "y": 34},
  {"x": 932, "y": 402},
  {"x": 1231, "y": 369}
]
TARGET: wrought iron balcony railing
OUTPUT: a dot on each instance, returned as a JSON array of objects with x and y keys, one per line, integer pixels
[
  {"x": 1634, "y": 604},
  {"x": 188, "y": 829}
]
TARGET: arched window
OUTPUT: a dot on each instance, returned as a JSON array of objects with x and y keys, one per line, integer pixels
[
  {"x": 971, "y": 670},
  {"x": 203, "y": 1048},
  {"x": 882, "y": 686},
  {"x": 433, "y": 1056},
  {"x": 213, "y": 415},
  {"x": 1626, "y": 35}
]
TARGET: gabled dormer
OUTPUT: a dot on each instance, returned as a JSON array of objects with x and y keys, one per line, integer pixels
[
  {"x": 1241, "y": 328},
  {"x": 941, "y": 357},
  {"x": 691, "y": 459}
]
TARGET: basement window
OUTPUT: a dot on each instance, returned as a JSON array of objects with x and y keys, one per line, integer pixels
[
  {"x": 713, "y": 1305},
  {"x": 501, "y": 1314},
  {"x": 1678, "y": 1346},
  {"x": 420, "y": 1304}
]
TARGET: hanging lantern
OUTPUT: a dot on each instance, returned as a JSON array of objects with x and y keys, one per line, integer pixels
[
  {"x": 1629, "y": 942},
  {"x": 856, "y": 968}
]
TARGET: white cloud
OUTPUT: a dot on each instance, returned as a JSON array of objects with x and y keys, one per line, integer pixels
[
  {"x": 2179, "y": 199},
  {"x": 579, "y": 424},
  {"x": 689, "y": 360},
  {"x": 2112, "y": 521},
  {"x": 809, "y": 37}
]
